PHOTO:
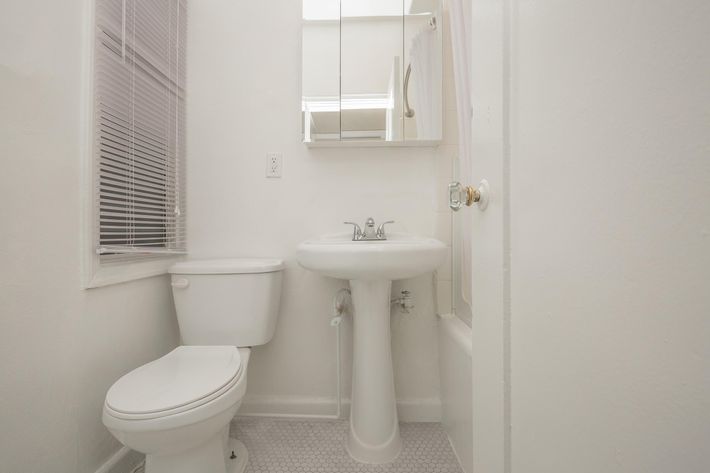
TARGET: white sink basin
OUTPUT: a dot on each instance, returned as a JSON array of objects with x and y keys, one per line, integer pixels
[
  {"x": 401, "y": 256},
  {"x": 371, "y": 266}
]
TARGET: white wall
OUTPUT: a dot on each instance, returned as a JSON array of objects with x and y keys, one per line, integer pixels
[
  {"x": 244, "y": 101},
  {"x": 610, "y": 236},
  {"x": 60, "y": 347}
]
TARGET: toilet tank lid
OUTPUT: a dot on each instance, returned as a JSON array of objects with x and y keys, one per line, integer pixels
[{"x": 228, "y": 266}]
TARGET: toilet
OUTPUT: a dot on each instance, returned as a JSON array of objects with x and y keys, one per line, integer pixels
[{"x": 177, "y": 409}]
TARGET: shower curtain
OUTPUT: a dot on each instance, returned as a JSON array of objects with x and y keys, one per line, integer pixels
[{"x": 458, "y": 16}]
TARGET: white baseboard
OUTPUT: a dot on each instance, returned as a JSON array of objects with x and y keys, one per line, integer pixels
[
  {"x": 123, "y": 461},
  {"x": 419, "y": 410},
  {"x": 409, "y": 410}
]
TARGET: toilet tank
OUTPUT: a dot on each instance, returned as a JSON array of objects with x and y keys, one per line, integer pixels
[{"x": 227, "y": 301}]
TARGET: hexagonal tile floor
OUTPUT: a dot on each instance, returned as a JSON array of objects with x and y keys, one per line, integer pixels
[{"x": 315, "y": 446}]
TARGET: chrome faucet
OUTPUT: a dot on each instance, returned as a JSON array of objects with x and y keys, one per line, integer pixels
[{"x": 370, "y": 233}]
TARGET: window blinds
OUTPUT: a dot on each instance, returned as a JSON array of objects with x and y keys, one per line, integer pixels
[{"x": 139, "y": 128}]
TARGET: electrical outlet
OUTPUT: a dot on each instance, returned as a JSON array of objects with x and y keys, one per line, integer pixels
[{"x": 274, "y": 164}]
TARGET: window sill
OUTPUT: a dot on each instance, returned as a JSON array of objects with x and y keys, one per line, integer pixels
[{"x": 109, "y": 274}]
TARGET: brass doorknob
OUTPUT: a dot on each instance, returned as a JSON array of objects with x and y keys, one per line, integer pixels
[{"x": 460, "y": 195}]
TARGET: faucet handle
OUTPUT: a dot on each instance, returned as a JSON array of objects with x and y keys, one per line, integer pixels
[
  {"x": 357, "y": 231},
  {"x": 381, "y": 228}
]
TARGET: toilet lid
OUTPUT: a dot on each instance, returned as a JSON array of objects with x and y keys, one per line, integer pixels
[{"x": 182, "y": 377}]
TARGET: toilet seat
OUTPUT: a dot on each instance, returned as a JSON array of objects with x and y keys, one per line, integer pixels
[{"x": 184, "y": 379}]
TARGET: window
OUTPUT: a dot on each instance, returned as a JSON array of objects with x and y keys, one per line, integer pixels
[{"x": 139, "y": 130}]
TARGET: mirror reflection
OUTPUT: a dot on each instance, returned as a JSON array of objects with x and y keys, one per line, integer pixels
[{"x": 371, "y": 71}]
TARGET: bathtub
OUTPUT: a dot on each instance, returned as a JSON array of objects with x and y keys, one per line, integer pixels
[{"x": 456, "y": 397}]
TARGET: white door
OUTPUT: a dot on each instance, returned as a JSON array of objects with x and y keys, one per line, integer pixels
[{"x": 610, "y": 254}]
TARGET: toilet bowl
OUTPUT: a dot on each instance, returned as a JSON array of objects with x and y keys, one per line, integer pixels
[{"x": 178, "y": 408}]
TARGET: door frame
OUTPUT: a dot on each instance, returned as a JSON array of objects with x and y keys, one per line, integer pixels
[{"x": 491, "y": 307}]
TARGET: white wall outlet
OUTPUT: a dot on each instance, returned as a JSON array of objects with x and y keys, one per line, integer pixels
[{"x": 274, "y": 164}]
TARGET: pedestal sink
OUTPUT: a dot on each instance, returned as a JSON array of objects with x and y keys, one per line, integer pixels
[{"x": 371, "y": 266}]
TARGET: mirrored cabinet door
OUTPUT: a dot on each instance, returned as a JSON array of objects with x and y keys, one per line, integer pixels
[
  {"x": 372, "y": 71},
  {"x": 320, "y": 80}
]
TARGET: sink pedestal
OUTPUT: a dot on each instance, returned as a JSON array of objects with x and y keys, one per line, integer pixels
[{"x": 374, "y": 428}]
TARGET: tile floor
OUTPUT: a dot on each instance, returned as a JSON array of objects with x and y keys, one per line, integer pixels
[{"x": 315, "y": 446}]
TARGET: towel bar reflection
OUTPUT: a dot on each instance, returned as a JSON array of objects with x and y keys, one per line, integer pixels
[{"x": 408, "y": 111}]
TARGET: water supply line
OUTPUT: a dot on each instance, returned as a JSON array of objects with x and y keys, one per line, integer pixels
[{"x": 341, "y": 301}]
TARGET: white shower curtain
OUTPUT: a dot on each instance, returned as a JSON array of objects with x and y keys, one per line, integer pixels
[{"x": 460, "y": 34}]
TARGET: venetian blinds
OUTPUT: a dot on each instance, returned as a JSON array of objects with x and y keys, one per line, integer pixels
[{"x": 139, "y": 128}]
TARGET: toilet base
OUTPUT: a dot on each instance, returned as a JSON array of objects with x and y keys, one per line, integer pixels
[
  {"x": 207, "y": 458},
  {"x": 239, "y": 464}
]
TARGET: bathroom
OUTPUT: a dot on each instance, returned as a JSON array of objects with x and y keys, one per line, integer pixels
[{"x": 562, "y": 325}]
